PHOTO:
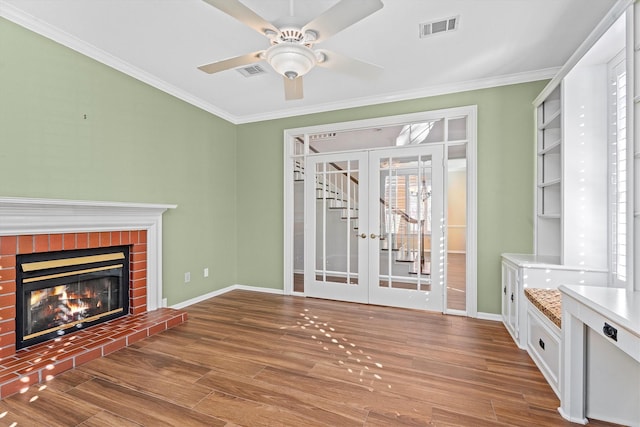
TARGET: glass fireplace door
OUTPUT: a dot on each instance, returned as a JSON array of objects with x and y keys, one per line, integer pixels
[{"x": 61, "y": 292}]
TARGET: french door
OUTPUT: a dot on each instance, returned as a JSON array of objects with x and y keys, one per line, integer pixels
[{"x": 374, "y": 227}]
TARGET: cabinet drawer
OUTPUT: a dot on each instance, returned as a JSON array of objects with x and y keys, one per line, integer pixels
[{"x": 543, "y": 344}]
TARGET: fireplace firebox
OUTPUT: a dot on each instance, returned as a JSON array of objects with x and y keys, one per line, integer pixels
[{"x": 61, "y": 292}]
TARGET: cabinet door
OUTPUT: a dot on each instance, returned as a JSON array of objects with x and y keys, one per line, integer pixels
[
  {"x": 513, "y": 301},
  {"x": 505, "y": 293},
  {"x": 510, "y": 298}
]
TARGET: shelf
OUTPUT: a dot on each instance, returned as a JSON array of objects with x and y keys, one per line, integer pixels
[
  {"x": 550, "y": 183},
  {"x": 548, "y": 122},
  {"x": 552, "y": 147},
  {"x": 549, "y": 216}
]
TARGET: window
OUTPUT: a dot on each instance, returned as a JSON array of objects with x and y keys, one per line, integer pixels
[{"x": 618, "y": 168}]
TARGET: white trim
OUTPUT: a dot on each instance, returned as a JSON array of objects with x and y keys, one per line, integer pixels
[
  {"x": 46, "y": 216},
  {"x": 472, "y": 213},
  {"x": 417, "y": 93},
  {"x": 609, "y": 19},
  {"x": 400, "y": 119},
  {"x": 223, "y": 291},
  {"x": 471, "y": 112},
  {"x": 288, "y": 219},
  {"x": 489, "y": 316},
  {"x": 38, "y": 26}
]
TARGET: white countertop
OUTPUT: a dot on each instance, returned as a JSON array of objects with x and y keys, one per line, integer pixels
[
  {"x": 544, "y": 261},
  {"x": 531, "y": 259},
  {"x": 619, "y": 305}
]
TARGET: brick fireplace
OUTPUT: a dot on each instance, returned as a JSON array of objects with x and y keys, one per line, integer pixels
[{"x": 30, "y": 226}]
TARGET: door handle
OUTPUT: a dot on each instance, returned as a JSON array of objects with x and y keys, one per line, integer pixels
[
  {"x": 373, "y": 235},
  {"x": 363, "y": 235}
]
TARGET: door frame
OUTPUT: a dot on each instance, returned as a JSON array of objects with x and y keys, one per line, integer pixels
[{"x": 472, "y": 201}]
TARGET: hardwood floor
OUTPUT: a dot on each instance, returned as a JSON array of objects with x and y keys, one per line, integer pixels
[
  {"x": 248, "y": 358},
  {"x": 456, "y": 282}
]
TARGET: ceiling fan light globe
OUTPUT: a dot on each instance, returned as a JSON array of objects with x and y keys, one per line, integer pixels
[{"x": 289, "y": 59}]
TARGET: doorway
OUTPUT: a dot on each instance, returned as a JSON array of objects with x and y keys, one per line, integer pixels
[
  {"x": 383, "y": 211},
  {"x": 374, "y": 226}
]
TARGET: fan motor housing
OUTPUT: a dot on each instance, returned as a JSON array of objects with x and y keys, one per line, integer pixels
[
  {"x": 290, "y": 35},
  {"x": 291, "y": 59}
]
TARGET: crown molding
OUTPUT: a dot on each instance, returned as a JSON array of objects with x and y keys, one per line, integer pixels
[
  {"x": 605, "y": 23},
  {"x": 44, "y": 29},
  {"x": 436, "y": 90}
]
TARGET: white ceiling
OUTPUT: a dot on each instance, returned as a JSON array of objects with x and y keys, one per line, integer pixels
[{"x": 163, "y": 41}]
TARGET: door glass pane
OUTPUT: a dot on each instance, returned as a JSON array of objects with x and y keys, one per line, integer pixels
[
  {"x": 457, "y": 129},
  {"x": 456, "y": 227},
  {"x": 336, "y": 222},
  {"x": 405, "y": 222},
  {"x": 298, "y": 223}
]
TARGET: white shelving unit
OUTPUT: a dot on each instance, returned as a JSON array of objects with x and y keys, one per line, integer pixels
[
  {"x": 549, "y": 175},
  {"x": 577, "y": 197}
]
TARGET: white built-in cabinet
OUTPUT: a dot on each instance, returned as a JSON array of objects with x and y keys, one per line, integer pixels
[
  {"x": 549, "y": 175},
  {"x": 572, "y": 164},
  {"x": 520, "y": 271},
  {"x": 572, "y": 223},
  {"x": 531, "y": 330}
]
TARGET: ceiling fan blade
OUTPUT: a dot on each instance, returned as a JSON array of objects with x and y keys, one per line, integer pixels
[
  {"x": 227, "y": 64},
  {"x": 242, "y": 13},
  {"x": 348, "y": 65},
  {"x": 342, "y": 15},
  {"x": 292, "y": 88}
]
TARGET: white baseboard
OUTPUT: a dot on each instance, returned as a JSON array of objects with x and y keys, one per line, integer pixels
[
  {"x": 257, "y": 289},
  {"x": 482, "y": 316},
  {"x": 490, "y": 316},
  {"x": 222, "y": 291}
]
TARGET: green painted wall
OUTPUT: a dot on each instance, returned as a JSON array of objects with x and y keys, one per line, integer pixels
[
  {"x": 505, "y": 181},
  {"x": 139, "y": 144},
  {"x": 136, "y": 144}
]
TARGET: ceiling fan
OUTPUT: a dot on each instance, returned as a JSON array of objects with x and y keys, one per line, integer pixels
[{"x": 291, "y": 53}]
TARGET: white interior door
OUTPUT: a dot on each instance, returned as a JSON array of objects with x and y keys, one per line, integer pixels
[
  {"x": 407, "y": 261},
  {"x": 336, "y": 253},
  {"x": 374, "y": 227}
]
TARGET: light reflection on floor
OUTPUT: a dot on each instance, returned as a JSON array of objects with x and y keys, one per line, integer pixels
[{"x": 347, "y": 352}]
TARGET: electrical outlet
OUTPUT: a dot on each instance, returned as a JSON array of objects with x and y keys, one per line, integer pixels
[
  {"x": 187, "y": 277},
  {"x": 206, "y": 272}
]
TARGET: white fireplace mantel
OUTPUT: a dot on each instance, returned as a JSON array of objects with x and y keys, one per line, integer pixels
[{"x": 19, "y": 216}]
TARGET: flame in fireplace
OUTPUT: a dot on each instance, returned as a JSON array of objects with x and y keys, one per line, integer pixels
[
  {"x": 73, "y": 304},
  {"x": 64, "y": 303},
  {"x": 70, "y": 303}
]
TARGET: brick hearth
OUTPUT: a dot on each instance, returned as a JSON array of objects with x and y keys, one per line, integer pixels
[{"x": 38, "y": 363}]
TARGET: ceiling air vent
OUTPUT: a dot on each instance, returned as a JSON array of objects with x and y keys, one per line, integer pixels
[
  {"x": 252, "y": 70},
  {"x": 428, "y": 29}
]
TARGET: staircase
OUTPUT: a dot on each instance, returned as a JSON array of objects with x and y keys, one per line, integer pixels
[{"x": 401, "y": 237}]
